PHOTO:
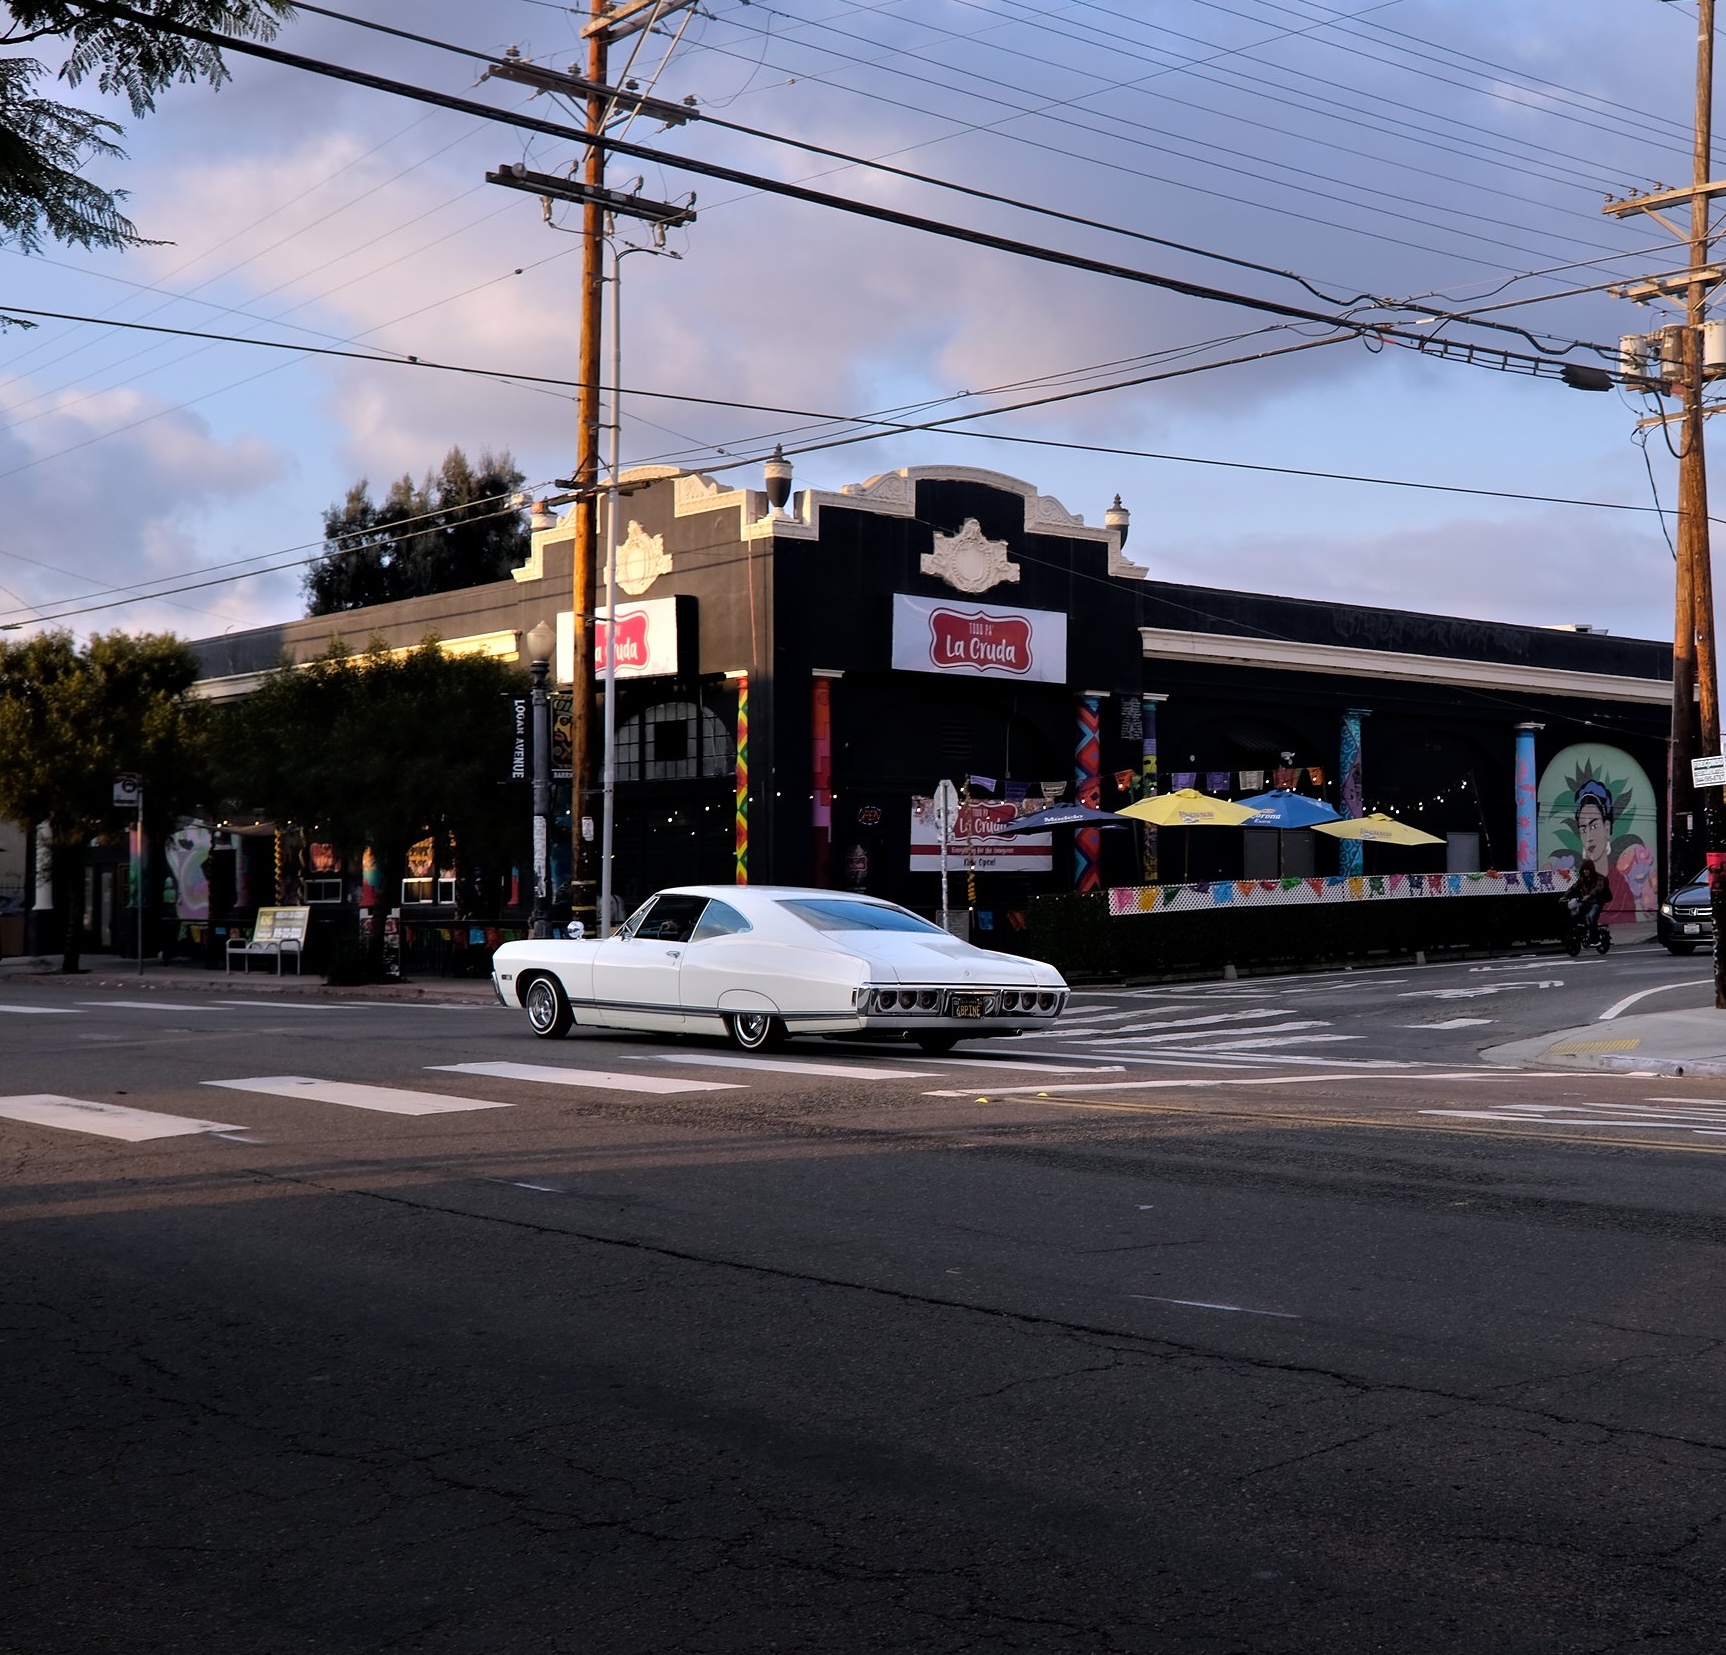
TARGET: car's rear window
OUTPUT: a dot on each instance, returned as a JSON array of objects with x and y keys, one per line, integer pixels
[{"x": 838, "y": 914}]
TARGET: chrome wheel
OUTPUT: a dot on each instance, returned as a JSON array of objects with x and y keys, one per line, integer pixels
[
  {"x": 548, "y": 1012},
  {"x": 753, "y": 1031}
]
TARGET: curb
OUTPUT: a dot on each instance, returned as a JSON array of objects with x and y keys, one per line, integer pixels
[{"x": 455, "y": 990}]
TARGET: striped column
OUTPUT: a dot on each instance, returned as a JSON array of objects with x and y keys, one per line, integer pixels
[
  {"x": 1148, "y": 782},
  {"x": 1087, "y": 766},
  {"x": 1527, "y": 803},
  {"x": 821, "y": 778},
  {"x": 1351, "y": 854},
  {"x": 742, "y": 841}
]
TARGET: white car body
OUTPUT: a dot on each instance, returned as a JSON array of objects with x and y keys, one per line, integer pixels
[{"x": 759, "y": 962}]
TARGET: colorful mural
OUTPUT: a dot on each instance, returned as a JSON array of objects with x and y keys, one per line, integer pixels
[{"x": 1597, "y": 804}]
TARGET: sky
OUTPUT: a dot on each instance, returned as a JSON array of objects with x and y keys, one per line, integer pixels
[{"x": 1401, "y": 152}]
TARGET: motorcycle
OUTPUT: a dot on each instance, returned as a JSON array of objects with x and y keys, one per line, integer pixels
[{"x": 1576, "y": 937}]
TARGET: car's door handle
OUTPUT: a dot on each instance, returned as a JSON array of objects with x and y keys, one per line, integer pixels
[{"x": 673, "y": 953}]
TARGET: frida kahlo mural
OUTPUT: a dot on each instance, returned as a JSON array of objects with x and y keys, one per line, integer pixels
[{"x": 1596, "y": 804}]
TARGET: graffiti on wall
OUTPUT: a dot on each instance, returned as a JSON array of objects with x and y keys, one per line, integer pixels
[{"x": 1596, "y": 804}]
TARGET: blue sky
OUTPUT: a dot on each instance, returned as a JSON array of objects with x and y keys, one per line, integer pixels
[{"x": 1410, "y": 148}]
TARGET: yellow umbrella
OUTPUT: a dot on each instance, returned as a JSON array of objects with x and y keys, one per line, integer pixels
[
  {"x": 1377, "y": 829},
  {"x": 1188, "y": 808}
]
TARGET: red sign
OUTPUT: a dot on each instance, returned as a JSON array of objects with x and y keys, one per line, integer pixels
[
  {"x": 632, "y": 646},
  {"x": 972, "y": 639}
]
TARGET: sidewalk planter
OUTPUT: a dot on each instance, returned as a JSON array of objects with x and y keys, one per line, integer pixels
[{"x": 1160, "y": 930}]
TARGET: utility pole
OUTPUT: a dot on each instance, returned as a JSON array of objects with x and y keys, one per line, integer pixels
[
  {"x": 1695, "y": 681},
  {"x": 607, "y": 23}
]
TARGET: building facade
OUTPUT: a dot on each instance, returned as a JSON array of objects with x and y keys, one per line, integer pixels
[{"x": 794, "y": 683}]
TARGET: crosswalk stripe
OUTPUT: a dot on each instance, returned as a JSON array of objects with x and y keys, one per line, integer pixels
[
  {"x": 981, "y": 1062},
  {"x": 790, "y": 1066},
  {"x": 387, "y": 1100},
  {"x": 43, "y": 1011},
  {"x": 105, "y": 1120},
  {"x": 604, "y": 1080},
  {"x": 1187, "y": 1037}
]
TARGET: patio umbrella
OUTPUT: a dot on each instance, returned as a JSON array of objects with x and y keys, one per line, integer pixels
[
  {"x": 1282, "y": 809},
  {"x": 1188, "y": 808},
  {"x": 1061, "y": 816},
  {"x": 1377, "y": 829}
]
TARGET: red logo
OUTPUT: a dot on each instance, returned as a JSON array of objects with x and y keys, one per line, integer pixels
[
  {"x": 631, "y": 641},
  {"x": 994, "y": 643}
]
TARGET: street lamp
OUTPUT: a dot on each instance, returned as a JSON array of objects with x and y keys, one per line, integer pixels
[{"x": 540, "y": 643}]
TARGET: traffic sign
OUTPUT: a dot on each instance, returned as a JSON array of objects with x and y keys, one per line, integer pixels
[
  {"x": 1708, "y": 772},
  {"x": 946, "y": 803},
  {"x": 128, "y": 790}
]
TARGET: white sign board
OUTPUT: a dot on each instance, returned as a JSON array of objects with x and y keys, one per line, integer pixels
[
  {"x": 1709, "y": 772},
  {"x": 127, "y": 790},
  {"x": 974, "y": 842},
  {"x": 978, "y": 640},
  {"x": 646, "y": 641}
]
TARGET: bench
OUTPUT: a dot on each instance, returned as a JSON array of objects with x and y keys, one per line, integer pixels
[{"x": 279, "y": 933}]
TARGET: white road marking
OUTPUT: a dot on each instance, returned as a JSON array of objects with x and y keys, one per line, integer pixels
[
  {"x": 791, "y": 1066},
  {"x": 1477, "y": 993},
  {"x": 1201, "y": 1304},
  {"x": 105, "y": 1120},
  {"x": 1357, "y": 1073},
  {"x": 1618, "y": 1007},
  {"x": 1183, "y": 1031},
  {"x": 1255, "y": 1016},
  {"x": 604, "y": 1080},
  {"x": 386, "y": 1100},
  {"x": 43, "y": 1011},
  {"x": 285, "y": 1004},
  {"x": 154, "y": 1005},
  {"x": 980, "y": 1062},
  {"x": 1275, "y": 1040},
  {"x": 1453, "y": 1023},
  {"x": 1573, "y": 1120}
]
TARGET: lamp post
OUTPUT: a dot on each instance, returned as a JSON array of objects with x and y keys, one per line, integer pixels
[{"x": 540, "y": 643}]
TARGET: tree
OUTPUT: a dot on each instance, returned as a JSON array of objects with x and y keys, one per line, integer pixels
[
  {"x": 378, "y": 750},
  {"x": 72, "y": 720},
  {"x": 46, "y": 147},
  {"x": 455, "y": 529}
]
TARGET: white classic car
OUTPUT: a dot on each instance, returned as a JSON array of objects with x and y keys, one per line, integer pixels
[{"x": 760, "y": 962}]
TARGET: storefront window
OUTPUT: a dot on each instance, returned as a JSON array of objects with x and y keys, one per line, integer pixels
[{"x": 673, "y": 741}]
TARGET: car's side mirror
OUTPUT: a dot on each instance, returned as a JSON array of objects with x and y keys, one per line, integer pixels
[{"x": 575, "y": 930}]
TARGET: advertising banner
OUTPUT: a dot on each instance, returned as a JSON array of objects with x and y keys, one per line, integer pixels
[
  {"x": 974, "y": 840},
  {"x": 646, "y": 641},
  {"x": 978, "y": 640}
]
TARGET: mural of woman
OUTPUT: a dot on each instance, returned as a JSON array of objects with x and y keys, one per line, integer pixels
[{"x": 1596, "y": 805}]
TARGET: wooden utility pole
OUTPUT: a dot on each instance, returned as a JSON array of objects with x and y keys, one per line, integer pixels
[
  {"x": 584, "y": 750},
  {"x": 1695, "y": 680}
]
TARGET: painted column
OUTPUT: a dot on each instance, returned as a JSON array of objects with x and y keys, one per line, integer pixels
[
  {"x": 821, "y": 777},
  {"x": 1527, "y": 808},
  {"x": 1148, "y": 781},
  {"x": 1351, "y": 858},
  {"x": 1087, "y": 766},
  {"x": 741, "y": 680}
]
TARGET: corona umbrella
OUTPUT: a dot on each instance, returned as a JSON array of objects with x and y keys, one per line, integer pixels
[
  {"x": 1187, "y": 807},
  {"x": 1073, "y": 815},
  {"x": 1282, "y": 809},
  {"x": 1377, "y": 829}
]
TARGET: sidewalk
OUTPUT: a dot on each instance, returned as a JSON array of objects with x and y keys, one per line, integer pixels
[
  {"x": 1654, "y": 1043},
  {"x": 24, "y": 975}
]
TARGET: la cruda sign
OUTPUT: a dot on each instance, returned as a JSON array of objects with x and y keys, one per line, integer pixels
[
  {"x": 978, "y": 640},
  {"x": 646, "y": 641}
]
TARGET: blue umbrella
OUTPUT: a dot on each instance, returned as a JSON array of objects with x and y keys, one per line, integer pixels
[
  {"x": 1282, "y": 809},
  {"x": 1062, "y": 816}
]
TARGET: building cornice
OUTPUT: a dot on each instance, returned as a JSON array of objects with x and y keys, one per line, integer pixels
[{"x": 1348, "y": 661}]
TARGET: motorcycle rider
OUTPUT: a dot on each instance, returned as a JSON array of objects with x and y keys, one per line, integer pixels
[{"x": 1588, "y": 895}]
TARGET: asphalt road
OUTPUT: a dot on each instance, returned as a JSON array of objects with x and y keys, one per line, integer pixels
[{"x": 1254, "y": 1316}]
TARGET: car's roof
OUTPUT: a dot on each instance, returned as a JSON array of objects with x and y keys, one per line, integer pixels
[{"x": 735, "y": 893}]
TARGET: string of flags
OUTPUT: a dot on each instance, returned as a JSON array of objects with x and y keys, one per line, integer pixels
[{"x": 1219, "y": 783}]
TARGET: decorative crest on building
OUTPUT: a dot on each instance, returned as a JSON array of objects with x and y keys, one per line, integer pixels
[
  {"x": 969, "y": 561},
  {"x": 641, "y": 560}
]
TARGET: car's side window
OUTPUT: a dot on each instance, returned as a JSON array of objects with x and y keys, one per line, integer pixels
[
  {"x": 719, "y": 920},
  {"x": 671, "y": 918},
  {"x": 632, "y": 925}
]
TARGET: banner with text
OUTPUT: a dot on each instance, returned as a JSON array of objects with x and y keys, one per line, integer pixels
[
  {"x": 975, "y": 841},
  {"x": 978, "y": 640}
]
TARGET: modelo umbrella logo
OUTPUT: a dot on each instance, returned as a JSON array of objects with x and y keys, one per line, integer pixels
[
  {"x": 631, "y": 641},
  {"x": 973, "y": 639}
]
